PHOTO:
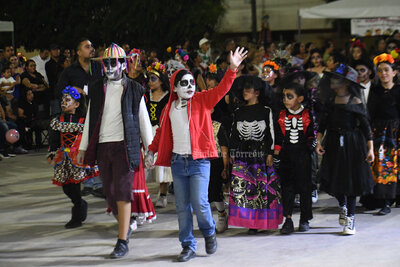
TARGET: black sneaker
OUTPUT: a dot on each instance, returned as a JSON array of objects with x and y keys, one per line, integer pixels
[
  {"x": 304, "y": 226},
  {"x": 98, "y": 192},
  {"x": 385, "y": 210},
  {"x": 211, "y": 243},
  {"x": 252, "y": 231},
  {"x": 86, "y": 191},
  {"x": 121, "y": 249},
  {"x": 186, "y": 254},
  {"x": 287, "y": 227}
]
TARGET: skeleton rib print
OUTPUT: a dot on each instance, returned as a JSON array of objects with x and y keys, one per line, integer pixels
[{"x": 253, "y": 130}]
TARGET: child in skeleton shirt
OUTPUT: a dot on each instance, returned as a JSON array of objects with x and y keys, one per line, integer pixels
[
  {"x": 255, "y": 197},
  {"x": 65, "y": 137},
  {"x": 295, "y": 141}
]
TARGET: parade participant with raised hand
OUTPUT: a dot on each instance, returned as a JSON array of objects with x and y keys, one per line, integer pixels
[{"x": 185, "y": 141}]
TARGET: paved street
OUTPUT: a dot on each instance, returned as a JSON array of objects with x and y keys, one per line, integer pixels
[{"x": 33, "y": 213}]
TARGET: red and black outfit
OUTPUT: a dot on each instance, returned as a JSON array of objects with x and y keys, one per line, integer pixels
[{"x": 295, "y": 139}]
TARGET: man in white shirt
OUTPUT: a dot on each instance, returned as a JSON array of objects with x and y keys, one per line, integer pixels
[{"x": 40, "y": 61}]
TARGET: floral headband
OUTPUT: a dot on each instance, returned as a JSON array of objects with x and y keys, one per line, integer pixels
[
  {"x": 270, "y": 64},
  {"x": 182, "y": 54},
  {"x": 357, "y": 43},
  {"x": 395, "y": 53},
  {"x": 69, "y": 90},
  {"x": 156, "y": 68},
  {"x": 212, "y": 68},
  {"x": 383, "y": 58}
]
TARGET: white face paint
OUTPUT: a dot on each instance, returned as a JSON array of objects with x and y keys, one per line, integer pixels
[
  {"x": 185, "y": 88},
  {"x": 67, "y": 101},
  {"x": 113, "y": 68},
  {"x": 267, "y": 73}
]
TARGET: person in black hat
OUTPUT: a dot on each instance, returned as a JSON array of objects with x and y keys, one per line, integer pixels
[
  {"x": 345, "y": 169},
  {"x": 255, "y": 187}
]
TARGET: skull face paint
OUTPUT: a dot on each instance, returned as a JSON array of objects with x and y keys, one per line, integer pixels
[
  {"x": 185, "y": 88},
  {"x": 68, "y": 103},
  {"x": 113, "y": 68}
]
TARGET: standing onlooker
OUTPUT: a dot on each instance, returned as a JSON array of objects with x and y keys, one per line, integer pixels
[
  {"x": 328, "y": 49},
  {"x": 79, "y": 75},
  {"x": 53, "y": 71},
  {"x": 317, "y": 64},
  {"x": 205, "y": 52},
  {"x": 40, "y": 61}
]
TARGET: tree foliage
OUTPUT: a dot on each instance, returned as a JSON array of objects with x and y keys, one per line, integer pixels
[{"x": 141, "y": 23}]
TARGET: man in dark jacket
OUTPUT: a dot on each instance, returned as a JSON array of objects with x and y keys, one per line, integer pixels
[{"x": 111, "y": 137}]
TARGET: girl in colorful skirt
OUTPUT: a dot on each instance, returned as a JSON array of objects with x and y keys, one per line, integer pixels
[
  {"x": 65, "y": 137},
  {"x": 255, "y": 197}
]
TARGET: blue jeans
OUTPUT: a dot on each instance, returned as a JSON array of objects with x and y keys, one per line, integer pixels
[
  {"x": 94, "y": 183},
  {"x": 191, "y": 178}
]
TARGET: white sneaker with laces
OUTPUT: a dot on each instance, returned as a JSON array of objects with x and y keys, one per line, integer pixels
[
  {"x": 161, "y": 202},
  {"x": 342, "y": 215},
  {"x": 314, "y": 196},
  {"x": 133, "y": 225},
  {"x": 297, "y": 200},
  {"x": 349, "y": 228},
  {"x": 222, "y": 223}
]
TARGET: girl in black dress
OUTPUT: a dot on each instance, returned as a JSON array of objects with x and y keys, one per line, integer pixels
[
  {"x": 384, "y": 109},
  {"x": 347, "y": 149}
]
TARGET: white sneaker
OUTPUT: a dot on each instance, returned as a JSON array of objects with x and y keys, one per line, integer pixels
[
  {"x": 314, "y": 196},
  {"x": 349, "y": 228},
  {"x": 161, "y": 202},
  {"x": 222, "y": 223},
  {"x": 133, "y": 225},
  {"x": 342, "y": 215}
]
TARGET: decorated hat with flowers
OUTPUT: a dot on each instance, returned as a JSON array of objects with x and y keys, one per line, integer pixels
[
  {"x": 156, "y": 68},
  {"x": 184, "y": 56},
  {"x": 344, "y": 72},
  {"x": 69, "y": 90}
]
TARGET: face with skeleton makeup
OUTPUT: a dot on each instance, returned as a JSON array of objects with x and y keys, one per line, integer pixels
[
  {"x": 186, "y": 87},
  {"x": 113, "y": 68},
  {"x": 69, "y": 104}
]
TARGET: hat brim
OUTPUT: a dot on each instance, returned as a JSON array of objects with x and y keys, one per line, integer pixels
[{"x": 336, "y": 75}]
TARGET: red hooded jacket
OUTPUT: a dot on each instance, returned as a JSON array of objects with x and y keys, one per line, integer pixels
[{"x": 199, "y": 113}]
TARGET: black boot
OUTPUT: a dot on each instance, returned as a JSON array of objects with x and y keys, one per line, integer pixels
[
  {"x": 287, "y": 227},
  {"x": 76, "y": 219},
  {"x": 211, "y": 243}
]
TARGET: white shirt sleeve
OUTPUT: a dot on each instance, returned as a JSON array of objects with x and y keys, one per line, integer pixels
[
  {"x": 146, "y": 132},
  {"x": 85, "y": 136}
]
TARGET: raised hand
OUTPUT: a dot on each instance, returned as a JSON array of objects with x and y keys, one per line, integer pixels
[{"x": 237, "y": 57}]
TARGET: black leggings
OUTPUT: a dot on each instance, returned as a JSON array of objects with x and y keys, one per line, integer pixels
[
  {"x": 73, "y": 191},
  {"x": 349, "y": 202}
]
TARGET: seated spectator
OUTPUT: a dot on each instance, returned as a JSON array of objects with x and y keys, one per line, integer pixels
[
  {"x": 34, "y": 81},
  {"x": 28, "y": 122},
  {"x": 7, "y": 82}
]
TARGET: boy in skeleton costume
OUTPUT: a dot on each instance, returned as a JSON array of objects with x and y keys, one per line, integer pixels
[
  {"x": 255, "y": 191},
  {"x": 295, "y": 141},
  {"x": 116, "y": 116},
  {"x": 185, "y": 141}
]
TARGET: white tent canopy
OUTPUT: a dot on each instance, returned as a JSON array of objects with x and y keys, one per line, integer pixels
[
  {"x": 6, "y": 26},
  {"x": 349, "y": 9}
]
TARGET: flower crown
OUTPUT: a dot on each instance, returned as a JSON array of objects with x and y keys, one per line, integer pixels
[
  {"x": 270, "y": 64},
  {"x": 182, "y": 54},
  {"x": 383, "y": 58},
  {"x": 212, "y": 68},
  {"x": 395, "y": 53},
  {"x": 357, "y": 43},
  {"x": 156, "y": 68},
  {"x": 69, "y": 90}
]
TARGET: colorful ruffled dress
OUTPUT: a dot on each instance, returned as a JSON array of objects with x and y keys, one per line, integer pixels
[{"x": 65, "y": 138}]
